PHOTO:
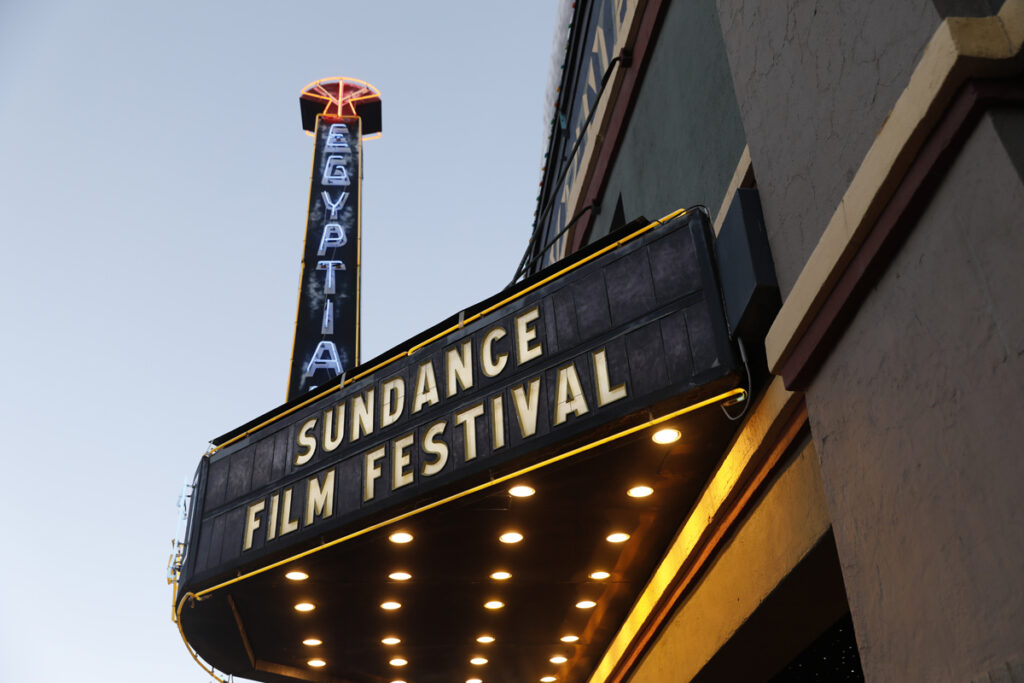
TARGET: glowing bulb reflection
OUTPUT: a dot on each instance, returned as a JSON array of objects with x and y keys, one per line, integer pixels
[
  {"x": 640, "y": 491},
  {"x": 666, "y": 435},
  {"x": 400, "y": 537},
  {"x": 522, "y": 491}
]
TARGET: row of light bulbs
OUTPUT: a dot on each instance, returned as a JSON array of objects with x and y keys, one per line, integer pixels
[{"x": 662, "y": 436}]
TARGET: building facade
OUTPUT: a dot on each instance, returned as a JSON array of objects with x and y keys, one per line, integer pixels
[
  {"x": 789, "y": 231},
  {"x": 884, "y": 144}
]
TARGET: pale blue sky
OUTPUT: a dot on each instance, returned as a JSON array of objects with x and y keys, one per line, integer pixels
[{"x": 153, "y": 187}]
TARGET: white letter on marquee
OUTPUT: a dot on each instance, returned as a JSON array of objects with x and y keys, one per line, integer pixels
[
  {"x": 337, "y": 206},
  {"x": 371, "y": 471},
  {"x": 492, "y": 365},
  {"x": 330, "y": 267},
  {"x": 467, "y": 418},
  {"x": 436, "y": 448},
  {"x": 606, "y": 393},
  {"x": 325, "y": 356},
  {"x": 306, "y": 441},
  {"x": 569, "y": 395},
  {"x": 426, "y": 387},
  {"x": 525, "y": 333},
  {"x": 252, "y": 523},
  {"x": 526, "y": 401},
  {"x": 400, "y": 461},
  {"x": 333, "y": 236},
  {"x": 320, "y": 499},
  {"x": 334, "y": 172}
]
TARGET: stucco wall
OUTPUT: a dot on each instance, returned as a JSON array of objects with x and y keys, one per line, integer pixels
[
  {"x": 815, "y": 81},
  {"x": 684, "y": 136},
  {"x": 918, "y": 418}
]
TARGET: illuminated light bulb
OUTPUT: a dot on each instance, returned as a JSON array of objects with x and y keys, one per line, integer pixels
[
  {"x": 501, "y": 575},
  {"x": 398, "y": 661},
  {"x": 548, "y": 679},
  {"x": 312, "y": 642},
  {"x": 485, "y": 639},
  {"x": 586, "y": 604},
  {"x": 473, "y": 680},
  {"x": 478, "y": 661},
  {"x": 666, "y": 435},
  {"x": 390, "y": 605},
  {"x": 640, "y": 491},
  {"x": 494, "y": 604},
  {"x": 599, "y": 575},
  {"x": 305, "y": 607},
  {"x": 398, "y": 680},
  {"x": 522, "y": 491},
  {"x": 618, "y": 537},
  {"x": 399, "y": 576},
  {"x": 569, "y": 638},
  {"x": 296, "y": 576},
  {"x": 400, "y": 537},
  {"x": 558, "y": 659},
  {"x": 510, "y": 537},
  {"x": 317, "y": 663},
  {"x": 391, "y": 640}
]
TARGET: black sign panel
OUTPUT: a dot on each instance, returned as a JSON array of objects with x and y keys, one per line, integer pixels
[
  {"x": 327, "y": 323},
  {"x": 628, "y": 329},
  {"x": 597, "y": 28}
]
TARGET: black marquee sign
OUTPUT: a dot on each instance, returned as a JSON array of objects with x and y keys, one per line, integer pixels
[
  {"x": 629, "y": 328},
  {"x": 326, "y": 325}
]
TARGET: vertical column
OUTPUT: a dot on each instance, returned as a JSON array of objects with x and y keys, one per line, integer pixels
[{"x": 327, "y": 321}]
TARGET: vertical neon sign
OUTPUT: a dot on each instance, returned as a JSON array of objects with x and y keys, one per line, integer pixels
[{"x": 327, "y": 320}]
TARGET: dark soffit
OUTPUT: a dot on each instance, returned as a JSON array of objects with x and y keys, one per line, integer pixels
[{"x": 578, "y": 502}]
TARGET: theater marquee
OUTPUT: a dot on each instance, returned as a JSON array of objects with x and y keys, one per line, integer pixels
[{"x": 628, "y": 329}]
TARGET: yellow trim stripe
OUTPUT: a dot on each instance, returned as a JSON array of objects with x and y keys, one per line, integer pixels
[{"x": 462, "y": 494}]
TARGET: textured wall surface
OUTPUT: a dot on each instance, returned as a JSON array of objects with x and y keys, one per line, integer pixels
[
  {"x": 815, "y": 81},
  {"x": 778, "y": 532},
  {"x": 684, "y": 137},
  {"x": 917, "y": 418}
]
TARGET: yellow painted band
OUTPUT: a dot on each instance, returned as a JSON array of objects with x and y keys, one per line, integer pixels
[{"x": 461, "y": 494}]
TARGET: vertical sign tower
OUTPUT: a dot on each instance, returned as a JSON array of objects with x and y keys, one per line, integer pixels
[{"x": 340, "y": 113}]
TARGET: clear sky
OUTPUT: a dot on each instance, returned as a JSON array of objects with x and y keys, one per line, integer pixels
[{"x": 153, "y": 188}]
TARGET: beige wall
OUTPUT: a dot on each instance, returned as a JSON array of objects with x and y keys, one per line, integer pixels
[
  {"x": 919, "y": 420},
  {"x": 778, "y": 532}
]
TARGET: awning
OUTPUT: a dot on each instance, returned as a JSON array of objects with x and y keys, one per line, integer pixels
[{"x": 556, "y": 387}]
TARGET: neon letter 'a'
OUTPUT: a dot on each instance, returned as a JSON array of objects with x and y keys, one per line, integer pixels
[{"x": 325, "y": 357}]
